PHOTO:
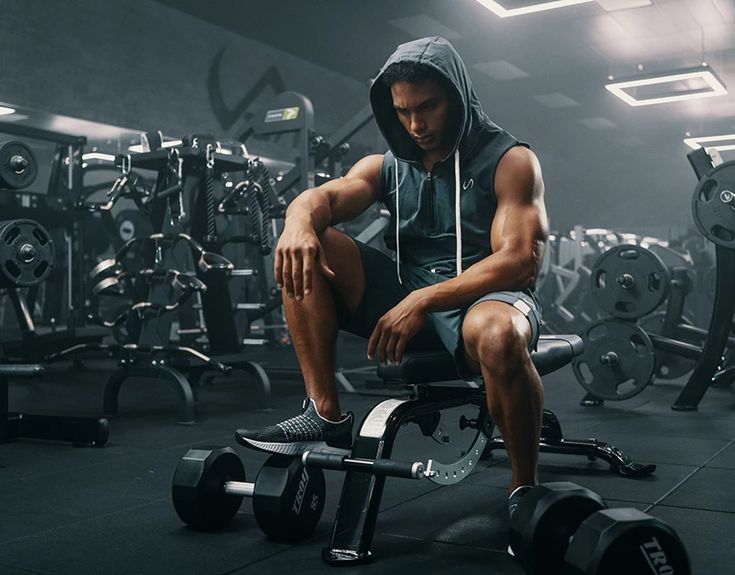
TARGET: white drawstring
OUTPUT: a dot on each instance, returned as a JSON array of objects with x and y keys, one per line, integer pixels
[
  {"x": 457, "y": 214},
  {"x": 398, "y": 224}
]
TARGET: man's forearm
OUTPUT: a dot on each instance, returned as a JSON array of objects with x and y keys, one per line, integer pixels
[
  {"x": 311, "y": 208},
  {"x": 498, "y": 272}
]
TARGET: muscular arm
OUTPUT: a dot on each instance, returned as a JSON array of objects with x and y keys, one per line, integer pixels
[
  {"x": 518, "y": 238},
  {"x": 338, "y": 200},
  {"x": 299, "y": 249}
]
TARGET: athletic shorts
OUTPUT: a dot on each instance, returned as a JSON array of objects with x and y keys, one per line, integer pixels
[{"x": 442, "y": 330}]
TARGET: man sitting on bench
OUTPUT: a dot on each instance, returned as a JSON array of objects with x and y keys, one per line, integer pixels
[{"x": 469, "y": 228}]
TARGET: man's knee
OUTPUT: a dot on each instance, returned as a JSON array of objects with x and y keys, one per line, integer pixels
[
  {"x": 495, "y": 335},
  {"x": 343, "y": 257}
]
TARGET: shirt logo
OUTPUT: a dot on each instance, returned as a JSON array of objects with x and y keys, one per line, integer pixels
[{"x": 468, "y": 184}]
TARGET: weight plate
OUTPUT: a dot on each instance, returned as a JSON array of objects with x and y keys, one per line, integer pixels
[
  {"x": 618, "y": 360},
  {"x": 668, "y": 365},
  {"x": 18, "y": 168},
  {"x": 198, "y": 487},
  {"x": 26, "y": 253},
  {"x": 131, "y": 224},
  {"x": 629, "y": 281},
  {"x": 288, "y": 499},
  {"x": 713, "y": 205}
]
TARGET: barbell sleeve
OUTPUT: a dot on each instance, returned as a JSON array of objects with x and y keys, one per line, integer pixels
[
  {"x": 241, "y": 488},
  {"x": 387, "y": 467}
]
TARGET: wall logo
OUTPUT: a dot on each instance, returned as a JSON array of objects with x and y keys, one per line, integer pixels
[{"x": 266, "y": 86}]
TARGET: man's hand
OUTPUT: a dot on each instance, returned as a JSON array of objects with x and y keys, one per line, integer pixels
[
  {"x": 395, "y": 329},
  {"x": 297, "y": 253}
]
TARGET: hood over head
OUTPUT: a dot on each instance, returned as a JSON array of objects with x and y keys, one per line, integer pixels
[{"x": 437, "y": 53}]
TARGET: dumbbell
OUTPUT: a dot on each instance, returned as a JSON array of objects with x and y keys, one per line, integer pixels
[
  {"x": 562, "y": 528},
  {"x": 209, "y": 485}
]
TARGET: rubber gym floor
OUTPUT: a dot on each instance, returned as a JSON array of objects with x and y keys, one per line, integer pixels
[{"x": 75, "y": 511}]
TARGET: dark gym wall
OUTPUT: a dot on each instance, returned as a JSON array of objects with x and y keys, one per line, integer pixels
[
  {"x": 144, "y": 65},
  {"x": 141, "y": 65}
]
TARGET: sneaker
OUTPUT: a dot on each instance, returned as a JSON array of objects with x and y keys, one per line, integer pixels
[
  {"x": 513, "y": 502},
  {"x": 306, "y": 432}
]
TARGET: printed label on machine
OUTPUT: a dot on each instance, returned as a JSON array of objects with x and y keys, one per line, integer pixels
[
  {"x": 374, "y": 425},
  {"x": 282, "y": 114}
]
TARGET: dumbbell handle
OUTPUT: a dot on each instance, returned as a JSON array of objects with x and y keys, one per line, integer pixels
[
  {"x": 388, "y": 467},
  {"x": 241, "y": 488}
]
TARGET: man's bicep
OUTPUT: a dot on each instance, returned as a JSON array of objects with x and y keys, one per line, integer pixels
[
  {"x": 520, "y": 221},
  {"x": 354, "y": 193}
]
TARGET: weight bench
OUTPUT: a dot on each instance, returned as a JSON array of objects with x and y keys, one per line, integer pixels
[{"x": 361, "y": 492}]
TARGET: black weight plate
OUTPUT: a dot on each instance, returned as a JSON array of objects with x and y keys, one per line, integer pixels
[
  {"x": 618, "y": 360},
  {"x": 289, "y": 498},
  {"x": 198, "y": 487},
  {"x": 668, "y": 365},
  {"x": 18, "y": 168},
  {"x": 26, "y": 253},
  {"x": 713, "y": 205},
  {"x": 629, "y": 281},
  {"x": 614, "y": 541},
  {"x": 131, "y": 224}
]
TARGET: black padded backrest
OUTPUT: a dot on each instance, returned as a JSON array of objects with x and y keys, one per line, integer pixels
[{"x": 552, "y": 352}]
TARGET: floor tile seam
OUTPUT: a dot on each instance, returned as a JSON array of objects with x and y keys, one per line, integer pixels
[
  {"x": 441, "y": 542},
  {"x": 410, "y": 499},
  {"x": 691, "y": 508},
  {"x": 78, "y": 521},
  {"x": 434, "y": 491},
  {"x": 688, "y": 477},
  {"x": 34, "y": 571},
  {"x": 128, "y": 457},
  {"x": 256, "y": 561}
]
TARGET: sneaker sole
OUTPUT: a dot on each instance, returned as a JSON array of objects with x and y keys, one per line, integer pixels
[{"x": 291, "y": 448}]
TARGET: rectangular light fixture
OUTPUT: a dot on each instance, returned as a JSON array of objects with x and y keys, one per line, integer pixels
[
  {"x": 496, "y": 8},
  {"x": 98, "y": 156},
  {"x": 702, "y": 74},
  {"x": 5, "y": 111},
  {"x": 704, "y": 141},
  {"x": 138, "y": 148}
]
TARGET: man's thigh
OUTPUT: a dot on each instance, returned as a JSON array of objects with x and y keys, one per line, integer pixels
[{"x": 382, "y": 291}]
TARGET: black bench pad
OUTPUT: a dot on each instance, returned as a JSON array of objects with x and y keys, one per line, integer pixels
[{"x": 553, "y": 352}]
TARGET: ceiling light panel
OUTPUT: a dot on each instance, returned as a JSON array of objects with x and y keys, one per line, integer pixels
[
  {"x": 647, "y": 22},
  {"x": 555, "y": 100},
  {"x": 508, "y": 8},
  {"x": 673, "y": 86},
  {"x": 597, "y": 123},
  {"x": 723, "y": 143},
  {"x": 704, "y": 12},
  {"x": 501, "y": 70},
  {"x": 613, "y": 5},
  {"x": 422, "y": 25}
]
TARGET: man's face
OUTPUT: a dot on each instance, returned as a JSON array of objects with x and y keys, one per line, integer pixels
[{"x": 424, "y": 111}]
